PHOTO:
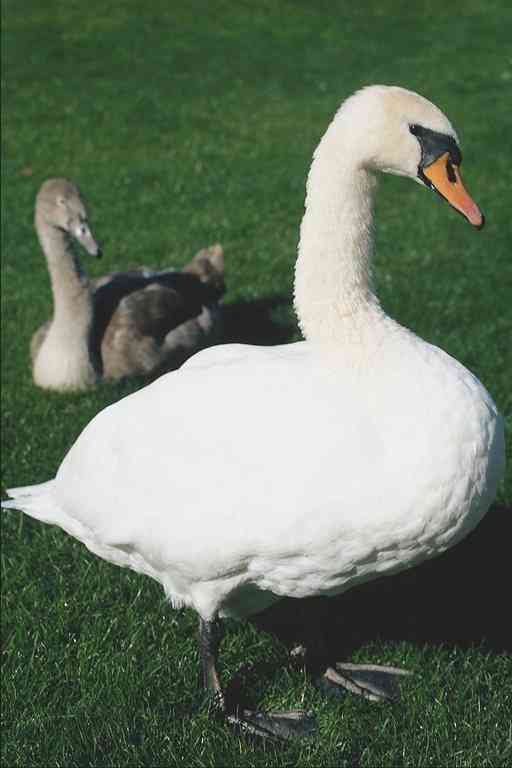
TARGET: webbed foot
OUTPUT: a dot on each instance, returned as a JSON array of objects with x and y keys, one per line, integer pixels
[
  {"x": 371, "y": 681},
  {"x": 274, "y": 726}
]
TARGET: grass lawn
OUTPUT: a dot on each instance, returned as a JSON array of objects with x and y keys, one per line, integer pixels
[{"x": 186, "y": 122}]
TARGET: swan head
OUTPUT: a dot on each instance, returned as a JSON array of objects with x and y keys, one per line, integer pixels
[
  {"x": 60, "y": 204},
  {"x": 400, "y": 132}
]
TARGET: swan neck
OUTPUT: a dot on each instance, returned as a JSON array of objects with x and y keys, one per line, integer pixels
[{"x": 333, "y": 286}]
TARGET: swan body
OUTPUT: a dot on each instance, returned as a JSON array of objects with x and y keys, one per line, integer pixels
[
  {"x": 317, "y": 501},
  {"x": 310, "y": 467},
  {"x": 124, "y": 323}
]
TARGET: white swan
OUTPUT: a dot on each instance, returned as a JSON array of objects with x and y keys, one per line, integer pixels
[
  {"x": 121, "y": 324},
  {"x": 325, "y": 463}
]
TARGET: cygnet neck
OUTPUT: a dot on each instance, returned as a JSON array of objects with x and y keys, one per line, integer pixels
[{"x": 70, "y": 285}]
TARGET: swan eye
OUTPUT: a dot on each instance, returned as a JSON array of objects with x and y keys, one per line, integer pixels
[{"x": 450, "y": 172}]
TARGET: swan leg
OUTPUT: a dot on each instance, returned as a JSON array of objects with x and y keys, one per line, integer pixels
[
  {"x": 276, "y": 726},
  {"x": 210, "y": 636},
  {"x": 375, "y": 683}
]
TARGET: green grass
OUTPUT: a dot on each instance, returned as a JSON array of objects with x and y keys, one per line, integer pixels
[{"x": 187, "y": 122}]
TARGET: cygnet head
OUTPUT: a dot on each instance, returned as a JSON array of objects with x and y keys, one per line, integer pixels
[
  {"x": 59, "y": 204},
  {"x": 208, "y": 265},
  {"x": 398, "y": 131}
]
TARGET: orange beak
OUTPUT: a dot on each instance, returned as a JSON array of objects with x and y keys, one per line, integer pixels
[{"x": 445, "y": 178}]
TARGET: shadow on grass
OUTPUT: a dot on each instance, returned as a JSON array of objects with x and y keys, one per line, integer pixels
[
  {"x": 258, "y": 321},
  {"x": 457, "y": 599}
]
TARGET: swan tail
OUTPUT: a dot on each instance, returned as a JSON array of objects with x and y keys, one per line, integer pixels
[
  {"x": 33, "y": 500},
  {"x": 41, "y": 502}
]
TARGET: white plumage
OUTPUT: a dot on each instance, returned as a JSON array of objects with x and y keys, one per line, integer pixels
[
  {"x": 303, "y": 469},
  {"x": 278, "y": 486}
]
